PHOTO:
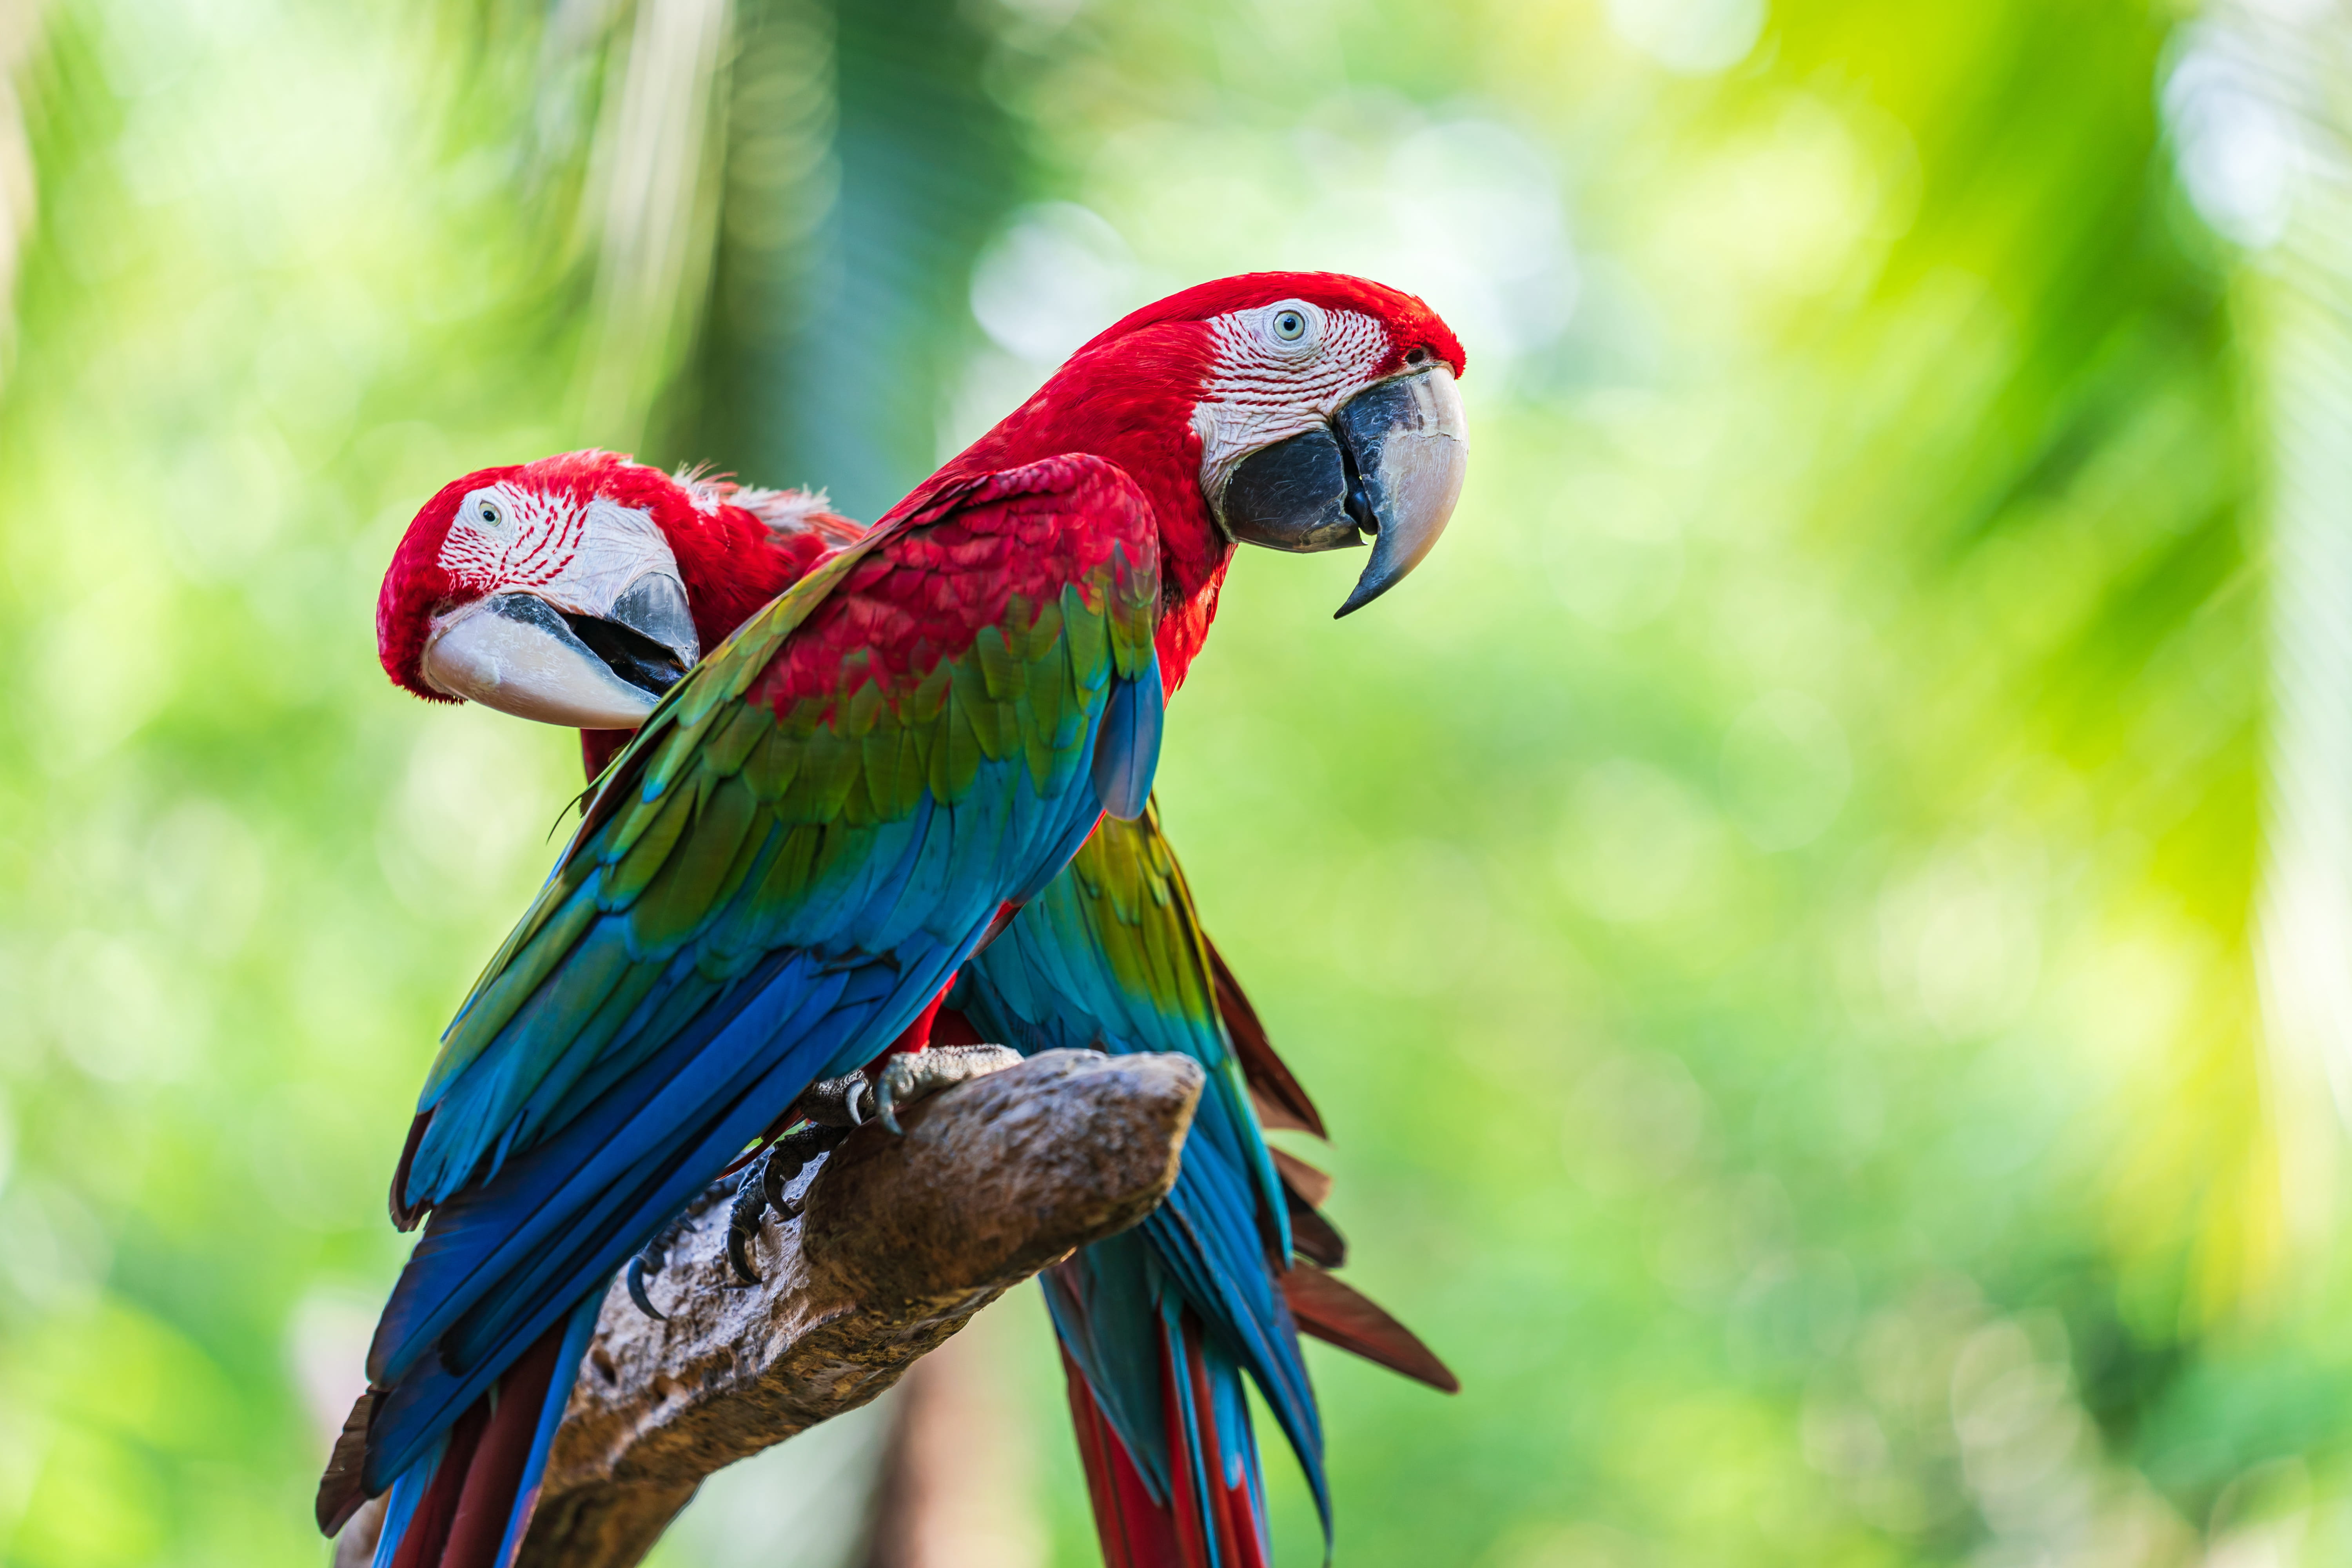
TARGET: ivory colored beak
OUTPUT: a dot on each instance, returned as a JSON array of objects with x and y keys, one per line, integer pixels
[
  {"x": 1411, "y": 447},
  {"x": 516, "y": 654}
]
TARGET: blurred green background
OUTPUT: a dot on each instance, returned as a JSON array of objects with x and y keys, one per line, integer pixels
[{"x": 1819, "y": 920}]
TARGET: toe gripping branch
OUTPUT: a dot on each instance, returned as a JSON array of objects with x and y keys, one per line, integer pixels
[
  {"x": 763, "y": 1185},
  {"x": 760, "y": 1188},
  {"x": 902, "y": 1079},
  {"x": 826, "y": 1114}
]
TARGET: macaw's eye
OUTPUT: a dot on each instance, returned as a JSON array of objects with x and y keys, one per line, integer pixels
[
  {"x": 1289, "y": 326},
  {"x": 489, "y": 514}
]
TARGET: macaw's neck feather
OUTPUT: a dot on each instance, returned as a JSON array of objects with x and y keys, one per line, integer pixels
[
  {"x": 734, "y": 563},
  {"x": 730, "y": 561},
  {"x": 1130, "y": 400}
]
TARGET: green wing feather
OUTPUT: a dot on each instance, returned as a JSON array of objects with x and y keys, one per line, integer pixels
[
  {"x": 552, "y": 928},
  {"x": 728, "y": 831}
]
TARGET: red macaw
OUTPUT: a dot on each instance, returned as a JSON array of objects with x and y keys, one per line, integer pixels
[{"x": 828, "y": 818}]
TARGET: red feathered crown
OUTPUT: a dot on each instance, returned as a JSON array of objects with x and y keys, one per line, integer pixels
[{"x": 1411, "y": 322}]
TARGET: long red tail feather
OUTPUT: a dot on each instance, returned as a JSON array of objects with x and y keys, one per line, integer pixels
[
  {"x": 1135, "y": 1531},
  {"x": 1184, "y": 1506},
  {"x": 461, "y": 1522},
  {"x": 428, "y": 1527},
  {"x": 1231, "y": 1518},
  {"x": 1138, "y": 1532},
  {"x": 495, "y": 1477}
]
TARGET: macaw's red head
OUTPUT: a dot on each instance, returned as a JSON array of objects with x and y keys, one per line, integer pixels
[
  {"x": 577, "y": 589},
  {"x": 1302, "y": 411}
]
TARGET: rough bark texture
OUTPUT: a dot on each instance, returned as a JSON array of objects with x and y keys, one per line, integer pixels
[{"x": 902, "y": 1241}]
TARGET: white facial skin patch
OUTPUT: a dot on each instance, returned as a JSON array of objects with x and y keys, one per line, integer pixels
[
  {"x": 1280, "y": 369},
  {"x": 516, "y": 557},
  {"x": 578, "y": 557}
]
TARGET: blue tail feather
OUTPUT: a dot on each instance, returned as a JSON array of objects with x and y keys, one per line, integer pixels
[
  {"x": 1172, "y": 1395},
  {"x": 1208, "y": 1241},
  {"x": 486, "y": 1501},
  {"x": 400, "y": 1508}
]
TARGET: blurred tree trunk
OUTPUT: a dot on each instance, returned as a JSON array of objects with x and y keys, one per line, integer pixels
[
  {"x": 953, "y": 1484},
  {"x": 865, "y": 165}
]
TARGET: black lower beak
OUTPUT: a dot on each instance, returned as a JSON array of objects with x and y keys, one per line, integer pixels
[
  {"x": 1389, "y": 467},
  {"x": 628, "y": 653},
  {"x": 1295, "y": 495}
]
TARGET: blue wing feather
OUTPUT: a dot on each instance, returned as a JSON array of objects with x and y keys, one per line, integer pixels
[{"x": 1127, "y": 747}]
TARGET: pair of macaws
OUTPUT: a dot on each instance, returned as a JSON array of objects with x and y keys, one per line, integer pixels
[{"x": 904, "y": 799}]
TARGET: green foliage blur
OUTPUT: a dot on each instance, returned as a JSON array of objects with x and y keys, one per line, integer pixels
[{"x": 1771, "y": 912}]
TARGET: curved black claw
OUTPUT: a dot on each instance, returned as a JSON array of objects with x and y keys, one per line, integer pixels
[
  {"x": 762, "y": 1188},
  {"x": 737, "y": 1258},
  {"x": 655, "y": 1255},
  {"x": 636, "y": 1279}
]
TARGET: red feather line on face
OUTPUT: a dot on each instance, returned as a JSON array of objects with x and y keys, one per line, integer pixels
[{"x": 414, "y": 585}]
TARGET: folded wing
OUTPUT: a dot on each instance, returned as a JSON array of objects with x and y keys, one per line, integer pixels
[{"x": 807, "y": 838}]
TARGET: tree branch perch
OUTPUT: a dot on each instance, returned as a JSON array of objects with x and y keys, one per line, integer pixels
[{"x": 901, "y": 1240}]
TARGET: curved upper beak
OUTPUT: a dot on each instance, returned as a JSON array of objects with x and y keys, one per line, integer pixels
[
  {"x": 523, "y": 655},
  {"x": 1389, "y": 465},
  {"x": 1412, "y": 449}
]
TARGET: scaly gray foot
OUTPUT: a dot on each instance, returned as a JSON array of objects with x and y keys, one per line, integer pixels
[
  {"x": 850, "y": 1100},
  {"x": 911, "y": 1076}
]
